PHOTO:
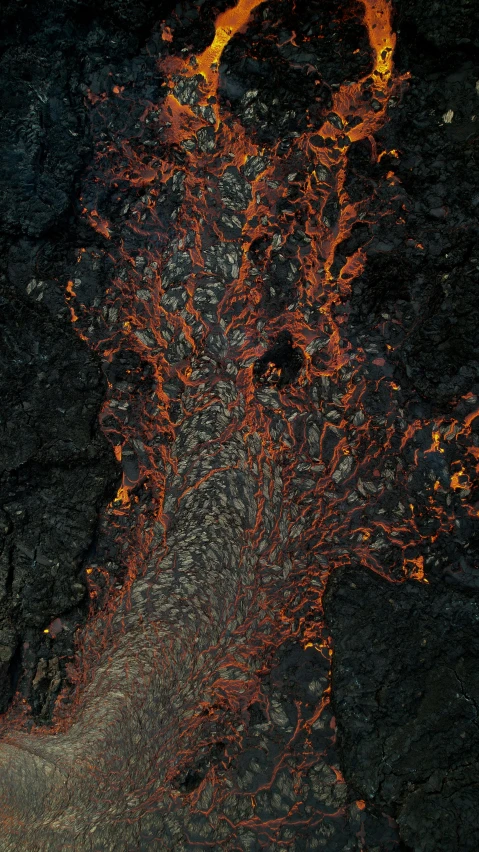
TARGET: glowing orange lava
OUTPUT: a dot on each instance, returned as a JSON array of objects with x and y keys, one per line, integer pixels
[{"x": 310, "y": 465}]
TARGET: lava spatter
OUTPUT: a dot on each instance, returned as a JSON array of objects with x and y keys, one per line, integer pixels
[{"x": 260, "y": 453}]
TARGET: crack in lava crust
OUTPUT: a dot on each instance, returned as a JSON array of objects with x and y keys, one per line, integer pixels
[{"x": 255, "y": 497}]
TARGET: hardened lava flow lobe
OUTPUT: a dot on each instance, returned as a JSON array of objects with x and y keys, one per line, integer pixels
[{"x": 252, "y": 495}]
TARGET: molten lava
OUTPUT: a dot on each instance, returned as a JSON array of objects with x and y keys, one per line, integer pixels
[{"x": 255, "y": 461}]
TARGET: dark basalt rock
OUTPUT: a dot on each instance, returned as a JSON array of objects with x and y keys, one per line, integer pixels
[
  {"x": 281, "y": 364},
  {"x": 406, "y": 695},
  {"x": 56, "y": 470},
  {"x": 434, "y": 25},
  {"x": 276, "y": 91},
  {"x": 423, "y": 257}
]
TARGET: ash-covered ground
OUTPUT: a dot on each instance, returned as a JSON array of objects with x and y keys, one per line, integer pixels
[{"x": 405, "y": 687}]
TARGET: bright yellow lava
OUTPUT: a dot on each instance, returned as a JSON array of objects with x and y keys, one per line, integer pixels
[
  {"x": 377, "y": 17},
  {"x": 227, "y": 25}
]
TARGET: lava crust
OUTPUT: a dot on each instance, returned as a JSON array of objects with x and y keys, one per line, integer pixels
[{"x": 240, "y": 380}]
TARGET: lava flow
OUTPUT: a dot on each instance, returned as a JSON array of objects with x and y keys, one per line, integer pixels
[{"x": 260, "y": 451}]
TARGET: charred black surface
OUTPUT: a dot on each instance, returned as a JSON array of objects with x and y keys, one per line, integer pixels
[
  {"x": 404, "y": 673},
  {"x": 423, "y": 257},
  {"x": 281, "y": 364},
  {"x": 56, "y": 472},
  {"x": 280, "y": 85},
  {"x": 57, "y": 469},
  {"x": 405, "y": 693}
]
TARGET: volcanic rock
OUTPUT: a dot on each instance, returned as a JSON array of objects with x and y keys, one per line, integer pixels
[{"x": 406, "y": 696}]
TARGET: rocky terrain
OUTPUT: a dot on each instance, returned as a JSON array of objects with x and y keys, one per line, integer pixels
[
  {"x": 404, "y": 683},
  {"x": 404, "y": 677}
]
